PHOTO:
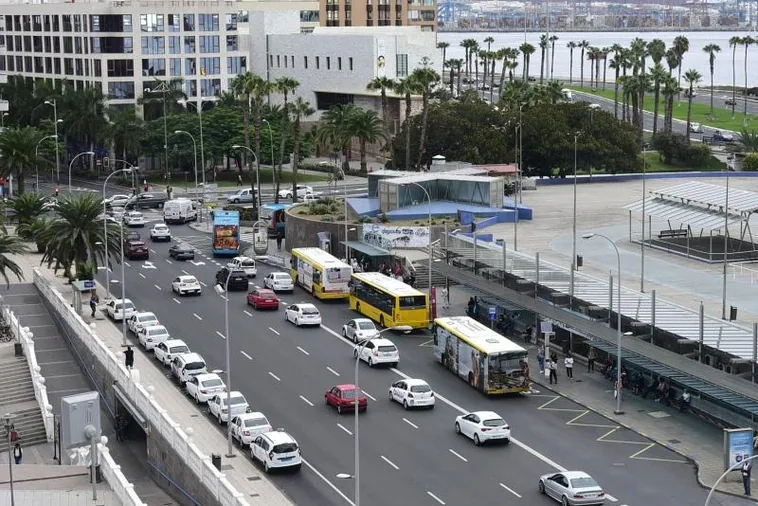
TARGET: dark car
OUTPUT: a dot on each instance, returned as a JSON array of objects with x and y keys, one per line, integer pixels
[
  {"x": 135, "y": 250},
  {"x": 148, "y": 201},
  {"x": 182, "y": 251},
  {"x": 730, "y": 101},
  {"x": 237, "y": 278},
  {"x": 132, "y": 236}
]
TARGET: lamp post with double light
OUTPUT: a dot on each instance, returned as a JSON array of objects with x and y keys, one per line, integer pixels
[
  {"x": 54, "y": 104},
  {"x": 356, "y": 440},
  {"x": 257, "y": 176},
  {"x": 618, "y": 410},
  {"x": 271, "y": 142},
  {"x": 128, "y": 170},
  {"x": 163, "y": 89},
  {"x": 70, "y": 165},
  {"x": 573, "y": 227},
  {"x": 36, "y": 157},
  {"x": 223, "y": 291},
  {"x": 194, "y": 148},
  {"x": 429, "y": 199}
]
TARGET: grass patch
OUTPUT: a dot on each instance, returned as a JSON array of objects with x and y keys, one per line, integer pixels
[
  {"x": 655, "y": 164},
  {"x": 701, "y": 113}
]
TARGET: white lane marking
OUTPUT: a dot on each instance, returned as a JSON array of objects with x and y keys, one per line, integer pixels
[
  {"x": 345, "y": 429},
  {"x": 247, "y": 312},
  {"x": 176, "y": 300},
  {"x": 309, "y": 403},
  {"x": 275, "y": 332},
  {"x": 127, "y": 264},
  {"x": 205, "y": 285},
  {"x": 370, "y": 396},
  {"x": 611, "y": 498},
  {"x": 114, "y": 281},
  {"x": 388, "y": 461},
  {"x": 299, "y": 348},
  {"x": 274, "y": 376},
  {"x": 435, "y": 498},
  {"x": 223, "y": 297},
  {"x": 143, "y": 276},
  {"x": 410, "y": 423},
  {"x": 169, "y": 261},
  {"x": 158, "y": 287},
  {"x": 511, "y": 491},
  {"x": 464, "y": 459},
  {"x": 333, "y": 371},
  {"x": 246, "y": 355},
  {"x": 153, "y": 251},
  {"x": 329, "y": 483},
  {"x": 197, "y": 316},
  {"x": 547, "y": 460},
  {"x": 222, "y": 336},
  {"x": 185, "y": 272}
]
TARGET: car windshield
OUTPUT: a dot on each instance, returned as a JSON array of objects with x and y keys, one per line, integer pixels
[
  {"x": 215, "y": 382},
  {"x": 248, "y": 263},
  {"x": 387, "y": 348},
  {"x": 157, "y": 331},
  {"x": 194, "y": 366},
  {"x": 366, "y": 326},
  {"x": 255, "y": 422},
  {"x": 129, "y": 305},
  {"x": 282, "y": 277},
  {"x": 189, "y": 280},
  {"x": 350, "y": 394},
  {"x": 237, "y": 400},
  {"x": 238, "y": 274},
  {"x": 149, "y": 318},
  {"x": 420, "y": 388},
  {"x": 309, "y": 310},
  {"x": 494, "y": 422},
  {"x": 285, "y": 448},
  {"x": 413, "y": 302},
  {"x": 179, "y": 349},
  {"x": 584, "y": 482}
]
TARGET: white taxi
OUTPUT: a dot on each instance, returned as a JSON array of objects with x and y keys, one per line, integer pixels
[
  {"x": 412, "y": 393},
  {"x": 167, "y": 350},
  {"x": 246, "y": 264},
  {"x": 160, "y": 232},
  {"x": 217, "y": 407},
  {"x": 187, "y": 365},
  {"x": 248, "y": 426},
  {"x": 377, "y": 351},
  {"x": 142, "y": 319},
  {"x": 205, "y": 387},
  {"x": 483, "y": 426},
  {"x": 183, "y": 285},
  {"x": 279, "y": 282},
  {"x": 359, "y": 329},
  {"x": 302, "y": 314},
  {"x": 119, "y": 309},
  {"x": 276, "y": 450},
  {"x": 134, "y": 219},
  {"x": 150, "y": 337}
]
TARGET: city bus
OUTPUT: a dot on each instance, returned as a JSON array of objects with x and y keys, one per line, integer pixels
[
  {"x": 388, "y": 301},
  {"x": 488, "y": 361},
  {"x": 226, "y": 233},
  {"x": 320, "y": 273}
]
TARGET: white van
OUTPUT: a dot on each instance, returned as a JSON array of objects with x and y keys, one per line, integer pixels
[{"x": 179, "y": 211}]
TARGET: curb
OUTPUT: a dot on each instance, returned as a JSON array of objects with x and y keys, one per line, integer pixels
[{"x": 627, "y": 426}]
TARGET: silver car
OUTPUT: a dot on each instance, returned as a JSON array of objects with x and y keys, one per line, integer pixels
[{"x": 572, "y": 488}]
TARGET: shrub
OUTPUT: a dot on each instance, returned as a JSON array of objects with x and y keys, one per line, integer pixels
[
  {"x": 327, "y": 218},
  {"x": 384, "y": 218},
  {"x": 750, "y": 162},
  {"x": 697, "y": 155}
]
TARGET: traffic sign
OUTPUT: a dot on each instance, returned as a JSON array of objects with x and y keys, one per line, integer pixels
[
  {"x": 89, "y": 284},
  {"x": 492, "y": 313},
  {"x": 106, "y": 161}
]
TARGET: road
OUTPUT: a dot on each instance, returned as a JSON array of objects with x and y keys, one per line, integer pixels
[{"x": 407, "y": 457}]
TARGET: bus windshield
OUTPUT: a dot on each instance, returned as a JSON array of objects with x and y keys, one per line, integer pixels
[{"x": 413, "y": 302}]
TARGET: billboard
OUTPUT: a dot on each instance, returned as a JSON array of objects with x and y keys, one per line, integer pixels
[
  {"x": 393, "y": 237},
  {"x": 226, "y": 232}
]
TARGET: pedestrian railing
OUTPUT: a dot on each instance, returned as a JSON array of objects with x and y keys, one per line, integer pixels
[{"x": 123, "y": 489}]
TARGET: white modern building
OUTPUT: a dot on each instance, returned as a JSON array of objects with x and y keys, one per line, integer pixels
[{"x": 3, "y": 76}]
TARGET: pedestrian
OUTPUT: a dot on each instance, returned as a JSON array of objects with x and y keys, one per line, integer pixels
[
  {"x": 57, "y": 192},
  {"x": 552, "y": 366},
  {"x": 746, "y": 468},
  {"x": 129, "y": 357},
  {"x": 279, "y": 241},
  {"x": 239, "y": 180},
  {"x": 569, "y": 363},
  {"x": 18, "y": 454},
  {"x": 445, "y": 297},
  {"x": 169, "y": 190},
  {"x": 94, "y": 300},
  {"x": 591, "y": 357},
  {"x": 541, "y": 359}
]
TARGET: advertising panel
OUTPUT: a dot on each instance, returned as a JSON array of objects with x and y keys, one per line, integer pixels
[
  {"x": 226, "y": 232},
  {"x": 738, "y": 447},
  {"x": 389, "y": 237}
]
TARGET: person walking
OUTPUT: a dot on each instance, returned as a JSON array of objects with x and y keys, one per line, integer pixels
[
  {"x": 445, "y": 298},
  {"x": 129, "y": 357},
  {"x": 541, "y": 359},
  {"x": 746, "y": 468},
  {"x": 552, "y": 366},
  {"x": 279, "y": 238},
  {"x": 239, "y": 180},
  {"x": 94, "y": 300},
  {"x": 591, "y": 357},
  {"x": 18, "y": 454},
  {"x": 569, "y": 363}
]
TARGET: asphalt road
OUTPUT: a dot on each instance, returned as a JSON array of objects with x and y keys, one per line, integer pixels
[{"x": 407, "y": 458}]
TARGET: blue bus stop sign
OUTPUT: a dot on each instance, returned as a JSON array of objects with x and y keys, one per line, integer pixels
[{"x": 492, "y": 313}]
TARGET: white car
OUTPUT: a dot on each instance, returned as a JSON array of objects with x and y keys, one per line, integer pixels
[
  {"x": 149, "y": 337},
  {"x": 483, "y": 426},
  {"x": 160, "y": 232},
  {"x": 572, "y": 488},
  {"x": 412, "y": 393},
  {"x": 134, "y": 219},
  {"x": 359, "y": 329},
  {"x": 302, "y": 190},
  {"x": 118, "y": 309},
  {"x": 279, "y": 282},
  {"x": 696, "y": 128},
  {"x": 119, "y": 200},
  {"x": 241, "y": 195},
  {"x": 246, "y": 264},
  {"x": 302, "y": 314},
  {"x": 377, "y": 351},
  {"x": 205, "y": 387},
  {"x": 218, "y": 406},
  {"x": 186, "y": 365},
  {"x": 117, "y": 213},
  {"x": 276, "y": 449},
  {"x": 142, "y": 319},
  {"x": 248, "y": 426},
  {"x": 167, "y": 350},
  {"x": 186, "y": 284}
]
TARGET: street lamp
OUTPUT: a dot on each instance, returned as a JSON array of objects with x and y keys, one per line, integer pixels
[
  {"x": 644, "y": 200},
  {"x": 520, "y": 168},
  {"x": 224, "y": 292},
  {"x": 54, "y": 104},
  {"x": 9, "y": 427},
  {"x": 573, "y": 228},
  {"x": 70, "y": 165},
  {"x": 618, "y": 410},
  {"x": 357, "y": 472},
  {"x": 257, "y": 175},
  {"x": 36, "y": 156},
  {"x": 429, "y": 198},
  {"x": 163, "y": 89},
  {"x": 194, "y": 147},
  {"x": 105, "y": 239},
  {"x": 271, "y": 142},
  {"x": 726, "y": 245},
  {"x": 732, "y": 468}
]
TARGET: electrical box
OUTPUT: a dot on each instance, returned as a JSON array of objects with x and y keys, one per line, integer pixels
[{"x": 78, "y": 412}]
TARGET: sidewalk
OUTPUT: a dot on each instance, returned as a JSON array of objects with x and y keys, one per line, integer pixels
[{"x": 239, "y": 470}]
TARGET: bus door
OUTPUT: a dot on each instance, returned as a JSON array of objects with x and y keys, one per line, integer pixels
[{"x": 305, "y": 274}]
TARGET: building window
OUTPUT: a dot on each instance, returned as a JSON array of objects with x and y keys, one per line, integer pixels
[
  {"x": 231, "y": 22},
  {"x": 127, "y": 20},
  {"x": 151, "y": 22},
  {"x": 120, "y": 90},
  {"x": 175, "y": 67},
  {"x": 56, "y": 44},
  {"x": 11, "y": 67},
  {"x": 27, "y": 21},
  {"x": 210, "y": 66},
  {"x": 174, "y": 23},
  {"x": 286, "y": 63},
  {"x": 232, "y": 43},
  {"x": 339, "y": 63},
  {"x": 325, "y": 101},
  {"x": 209, "y": 44},
  {"x": 270, "y": 61},
  {"x": 68, "y": 45},
  {"x": 67, "y": 23},
  {"x": 236, "y": 65},
  {"x": 46, "y": 20},
  {"x": 79, "y": 67},
  {"x": 37, "y": 43},
  {"x": 78, "y": 45},
  {"x": 208, "y": 22},
  {"x": 174, "y": 45},
  {"x": 401, "y": 62},
  {"x": 78, "y": 23},
  {"x": 68, "y": 66},
  {"x": 120, "y": 68},
  {"x": 210, "y": 87},
  {"x": 48, "y": 44},
  {"x": 57, "y": 66},
  {"x": 189, "y": 22},
  {"x": 37, "y": 23},
  {"x": 190, "y": 88},
  {"x": 153, "y": 67},
  {"x": 350, "y": 62},
  {"x": 328, "y": 63},
  {"x": 190, "y": 67},
  {"x": 98, "y": 69},
  {"x": 305, "y": 62},
  {"x": 128, "y": 45},
  {"x": 318, "y": 62},
  {"x": 39, "y": 68},
  {"x": 189, "y": 44},
  {"x": 28, "y": 64},
  {"x": 153, "y": 45},
  {"x": 48, "y": 65}
]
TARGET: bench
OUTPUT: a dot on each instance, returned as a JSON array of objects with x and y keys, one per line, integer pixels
[{"x": 668, "y": 234}]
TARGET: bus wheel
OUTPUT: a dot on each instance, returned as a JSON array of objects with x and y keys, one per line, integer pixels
[{"x": 381, "y": 321}]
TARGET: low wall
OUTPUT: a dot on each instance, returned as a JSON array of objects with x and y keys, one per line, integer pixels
[
  {"x": 637, "y": 176},
  {"x": 111, "y": 471},
  {"x": 170, "y": 449}
]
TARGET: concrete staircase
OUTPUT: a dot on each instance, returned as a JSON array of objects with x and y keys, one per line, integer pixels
[{"x": 17, "y": 399}]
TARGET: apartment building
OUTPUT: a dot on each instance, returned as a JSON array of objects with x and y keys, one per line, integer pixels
[
  {"x": 3, "y": 77},
  {"x": 421, "y": 13}
]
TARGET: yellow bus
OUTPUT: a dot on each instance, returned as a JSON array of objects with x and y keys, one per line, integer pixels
[
  {"x": 488, "y": 361},
  {"x": 320, "y": 273},
  {"x": 388, "y": 301}
]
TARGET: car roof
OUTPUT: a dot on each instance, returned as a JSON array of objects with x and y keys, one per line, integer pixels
[
  {"x": 305, "y": 305},
  {"x": 233, "y": 393},
  {"x": 153, "y": 327},
  {"x": 346, "y": 386},
  {"x": 281, "y": 274},
  {"x": 118, "y": 301},
  {"x": 278, "y": 437},
  {"x": 140, "y": 314},
  {"x": 187, "y": 276},
  {"x": 136, "y": 242},
  {"x": 575, "y": 474},
  {"x": 416, "y": 381},
  {"x": 362, "y": 320},
  {"x": 174, "y": 342},
  {"x": 161, "y": 225},
  {"x": 254, "y": 414},
  {"x": 382, "y": 342},
  {"x": 486, "y": 415},
  {"x": 243, "y": 259},
  {"x": 263, "y": 289},
  {"x": 206, "y": 375},
  {"x": 191, "y": 357}
]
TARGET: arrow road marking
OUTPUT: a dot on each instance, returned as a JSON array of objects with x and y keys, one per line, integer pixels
[
  {"x": 197, "y": 264},
  {"x": 148, "y": 265}
]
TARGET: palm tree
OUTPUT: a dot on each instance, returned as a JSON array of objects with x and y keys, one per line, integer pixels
[
  {"x": 543, "y": 48},
  {"x": 591, "y": 56},
  {"x": 712, "y": 49},
  {"x": 669, "y": 89},
  {"x": 84, "y": 117},
  {"x": 583, "y": 45},
  {"x": 553, "y": 39},
  {"x": 656, "y": 48},
  {"x": 334, "y": 131},
  {"x": 17, "y": 153},
  {"x": 173, "y": 97},
  {"x": 241, "y": 87},
  {"x": 487, "y": 55},
  {"x": 125, "y": 132},
  {"x": 382, "y": 84},
  {"x": 443, "y": 46},
  {"x": 285, "y": 86},
  {"x": 616, "y": 64},
  {"x": 692, "y": 77},
  {"x": 10, "y": 245},
  {"x": 733, "y": 43},
  {"x": 368, "y": 129},
  {"x": 27, "y": 206},
  {"x": 425, "y": 79},
  {"x": 604, "y": 55},
  {"x": 681, "y": 46},
  {"x": 299, "y": 109},
  {"x": 527, "y": 50},
  {"x": 658, "y": 74},
  {"x": 405, "y": 88},
  {"x": 571, "y": 45},
  {"x": 469, "y": 45},
  {"x": 259, "y": 91},
  {"x": 455, "y": 65},
  {"x": 747, "y": 42},
  {"x": 33, "y": 230}
]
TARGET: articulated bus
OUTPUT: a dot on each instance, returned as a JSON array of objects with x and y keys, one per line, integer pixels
[
  {"x": 388, "y": 301},
  {"x": 320, "y": 273},
  {"x": 488, "y": 361}
]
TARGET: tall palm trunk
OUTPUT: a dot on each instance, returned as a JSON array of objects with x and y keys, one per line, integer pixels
[
  {"x": 258, "y": 123},
  {"x": 745, "y": 98},
  {"x": 689, "y": 114},
  {"x": 424, "y": 119},
  {"x": 605, "y": 71},
  {"x": 571, "y": 65},
  {"x": 246, "y": 119},
  {"x": 282, "y": 144},
  {"x": 734, "y": 79},
  {"x": 407, "y": 131},
  {"x": 458, "y": 84},
  {"x": 616, "y": 95},
  {"x": 552, "y": 60},
  {"x": 657, "y": 98}
]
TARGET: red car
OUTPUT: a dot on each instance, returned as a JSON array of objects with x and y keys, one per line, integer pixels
[
  {"x": 342, "y": 397},
  {"x": 262, "y": 298},
  {"x": 135, "y": 250}
]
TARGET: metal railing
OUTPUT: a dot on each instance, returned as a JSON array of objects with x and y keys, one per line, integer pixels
[{"x": 122, "y": 487}]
